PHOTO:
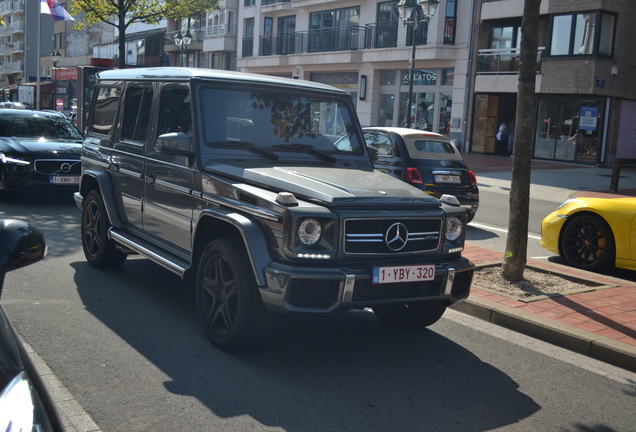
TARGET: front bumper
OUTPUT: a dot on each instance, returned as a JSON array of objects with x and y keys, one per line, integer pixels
[
  {"x": 551, "y": 231},
  {"x": 294, "y": 289}
]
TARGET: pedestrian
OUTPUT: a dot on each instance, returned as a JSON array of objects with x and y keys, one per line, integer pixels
[{"x": 502, "y": 138}]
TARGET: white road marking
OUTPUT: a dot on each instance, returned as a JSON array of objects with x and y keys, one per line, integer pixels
[{"x": 492, "y": 228}]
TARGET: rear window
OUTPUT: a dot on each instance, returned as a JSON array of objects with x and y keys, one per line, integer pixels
[{"x": 431, "y": 149}]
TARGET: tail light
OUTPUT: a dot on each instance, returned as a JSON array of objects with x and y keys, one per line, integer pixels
[
  {"x": 472, "y": 177},
  {"x": 414, "y": 176}
]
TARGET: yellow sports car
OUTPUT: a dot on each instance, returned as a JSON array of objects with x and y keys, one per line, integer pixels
[{"x": 593, "y": 233}]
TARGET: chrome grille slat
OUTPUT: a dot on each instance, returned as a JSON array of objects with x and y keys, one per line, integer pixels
[{"x": 367, "y": 236}]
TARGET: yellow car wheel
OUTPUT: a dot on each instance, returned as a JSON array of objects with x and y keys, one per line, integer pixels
[{"x": 588, "y": 243}]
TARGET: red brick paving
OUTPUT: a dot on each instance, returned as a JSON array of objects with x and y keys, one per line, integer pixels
[{"x": 608, "y": 312}]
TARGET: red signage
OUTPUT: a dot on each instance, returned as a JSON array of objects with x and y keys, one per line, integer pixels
[{"x": 68, "y": 74}]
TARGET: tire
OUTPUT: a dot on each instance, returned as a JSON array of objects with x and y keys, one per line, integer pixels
[
  {"x": 228, "y": 302},
  {"x": 410, "y": 316},
  {"x": 99, "y": 250},
  {"x": 588, "y": 243}
]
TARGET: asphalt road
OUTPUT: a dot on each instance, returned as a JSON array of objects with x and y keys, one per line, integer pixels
[{"x": 127, "y": 345}]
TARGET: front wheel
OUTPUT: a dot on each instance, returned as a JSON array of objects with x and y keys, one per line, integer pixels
[
  {"x": 228, "y": 302},
  {"x": 99, "y": 250},
  {"x": 410, "y": 316},
  {"x": 588, "y": 243}
]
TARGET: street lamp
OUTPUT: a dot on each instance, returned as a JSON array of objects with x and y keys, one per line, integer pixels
[
  {"x": 55, "y": 58},
  {"x": 182, "y": 42},
  {"x": 409, "y": 11}
]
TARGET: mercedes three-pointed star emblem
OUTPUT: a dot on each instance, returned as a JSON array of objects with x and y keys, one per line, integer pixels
[{"x": 396, "y": 236}]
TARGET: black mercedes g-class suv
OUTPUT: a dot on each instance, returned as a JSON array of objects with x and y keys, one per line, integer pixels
[{"x": 261, "y": 189}]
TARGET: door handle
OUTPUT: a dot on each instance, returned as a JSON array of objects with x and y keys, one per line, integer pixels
[
  {"x": 114, "y": 167},
  {"x": 150, "y": 179}
]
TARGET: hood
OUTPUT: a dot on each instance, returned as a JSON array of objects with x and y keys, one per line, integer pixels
[
  {"x": 331, "y": 185},
  {"x": 41, "y": 146}
]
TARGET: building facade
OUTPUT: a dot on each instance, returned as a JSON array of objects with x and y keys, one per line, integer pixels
[
  {"x": 585, "y": 92},
  {"x": 24, "y": 31},
  {"x": 363, "y": 47}
]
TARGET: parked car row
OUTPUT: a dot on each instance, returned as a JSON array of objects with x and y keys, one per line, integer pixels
[{"x": 39, "y": 152}]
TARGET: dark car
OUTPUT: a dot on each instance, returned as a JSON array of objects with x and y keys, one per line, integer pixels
[
  {"x": 261, "y": 191},
  {"x": 39, "y": 152},
  {"x": 25, "y": 404},
  {"x": 426, "y": 160},
  {"x": 15, "y": 105}
]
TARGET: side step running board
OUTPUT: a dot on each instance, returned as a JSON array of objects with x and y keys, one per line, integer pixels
[{"x": 153, "y": 253}]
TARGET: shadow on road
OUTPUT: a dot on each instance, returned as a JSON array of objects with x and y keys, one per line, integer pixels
[
  {"x": 474, "y": 233},
  {"x": 339, "y": 372},
  {"x": 55, "y": 214}
]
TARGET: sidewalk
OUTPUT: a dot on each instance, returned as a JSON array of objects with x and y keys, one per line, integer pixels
[{"x": 600, "y": 323}]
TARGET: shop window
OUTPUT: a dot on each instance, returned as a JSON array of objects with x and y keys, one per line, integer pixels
[
  {"x": 582, "y": 34},
  {"x": 388, "y": 77},
  {"x": 568, "y": 130}
]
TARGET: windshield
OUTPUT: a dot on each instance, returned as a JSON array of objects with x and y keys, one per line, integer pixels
[
  {"x": 284, "y": 123},
  {"x": 36, "y": 126}
]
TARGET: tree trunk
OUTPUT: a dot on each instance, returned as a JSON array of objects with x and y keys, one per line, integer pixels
[
  {"x": 517, "y": 240},
  {"x": 122, "y": 27}
]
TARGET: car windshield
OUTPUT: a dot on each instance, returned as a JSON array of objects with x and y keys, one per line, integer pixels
[
  {"x": 37, "y": 126},
  {"x": 283, "y": 123}
]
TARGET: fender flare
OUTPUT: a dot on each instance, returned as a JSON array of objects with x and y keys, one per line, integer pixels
[
  {"x": 105, "y": 188},
  {"x": 253, "y": 239}
]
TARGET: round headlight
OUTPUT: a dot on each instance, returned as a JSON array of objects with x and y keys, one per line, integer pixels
[
  {"x": 309, "y": 232},
  {"x": 454, "y": 228}
]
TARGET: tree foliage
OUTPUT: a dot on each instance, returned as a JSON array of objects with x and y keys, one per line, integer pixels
[
  {"x": 517, "y": 240},
  {"x": 123, "y": 13}
]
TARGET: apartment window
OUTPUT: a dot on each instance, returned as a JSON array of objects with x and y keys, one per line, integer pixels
[
  {"x": 583, "y": 34},
  {"x": 386, "y": 28},
  {"x": 451, "y": 22},
  {"x": 58, "y": 41},
  {"x": 248, "y": 38},
  {"x": 249, "y": 3},
  {"x": 335, "y": 30}
]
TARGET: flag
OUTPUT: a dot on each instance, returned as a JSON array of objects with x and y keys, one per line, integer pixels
[{"x": 53, "y": 8}]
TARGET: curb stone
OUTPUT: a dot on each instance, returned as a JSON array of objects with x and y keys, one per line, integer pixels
[{"x": 577, "y": 340}]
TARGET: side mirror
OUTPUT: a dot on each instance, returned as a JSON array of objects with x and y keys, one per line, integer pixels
[
  {"x": 176, "y": 143},
  {"x": 21, "y": 244}
]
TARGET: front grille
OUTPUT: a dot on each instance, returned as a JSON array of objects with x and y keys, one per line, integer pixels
[
  {"x": 369, "y": 236},
  {"x": 365, "y": 291},
  {"x": 313, "y": 294},
  {"x": 58, "y": 166}
]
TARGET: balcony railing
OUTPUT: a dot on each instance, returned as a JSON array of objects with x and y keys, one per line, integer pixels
[
  {"x": 271, "y": 2},
  {"x": 331, "y": 39},
  {"x": 219, "y": 30},
  {"x": 17, "y": 66},
  {"x": 248, "y": 46},
  {"x": 502, "y": 61},
  {"x": 381, "y": 35}
]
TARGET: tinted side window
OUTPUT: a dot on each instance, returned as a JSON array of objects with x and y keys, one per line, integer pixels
[
  {"x": 175, "y": 113},
  {"x": 106, "y": 103},
  {"x": 138, "y": 103}
]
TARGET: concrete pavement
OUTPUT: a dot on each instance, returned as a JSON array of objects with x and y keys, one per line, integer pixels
[{"x": 600, "y": 323}]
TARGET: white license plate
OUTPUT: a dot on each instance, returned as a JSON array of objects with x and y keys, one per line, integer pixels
[
  {"x": 413, "y": 273},
  {"x": 65, "y": 179},
  {"x": 447, "y": 179}
]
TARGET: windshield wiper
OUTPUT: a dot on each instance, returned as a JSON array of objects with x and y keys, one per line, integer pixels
[
  {"x": 249, "y": 146},
  {"x": 309, "y": 149}
]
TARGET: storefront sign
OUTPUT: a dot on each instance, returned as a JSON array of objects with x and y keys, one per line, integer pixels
[
  {"x": 420, "y": 77},
  {"x": 588, "y": 118},
  {"x": 362, "y": 87}
]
